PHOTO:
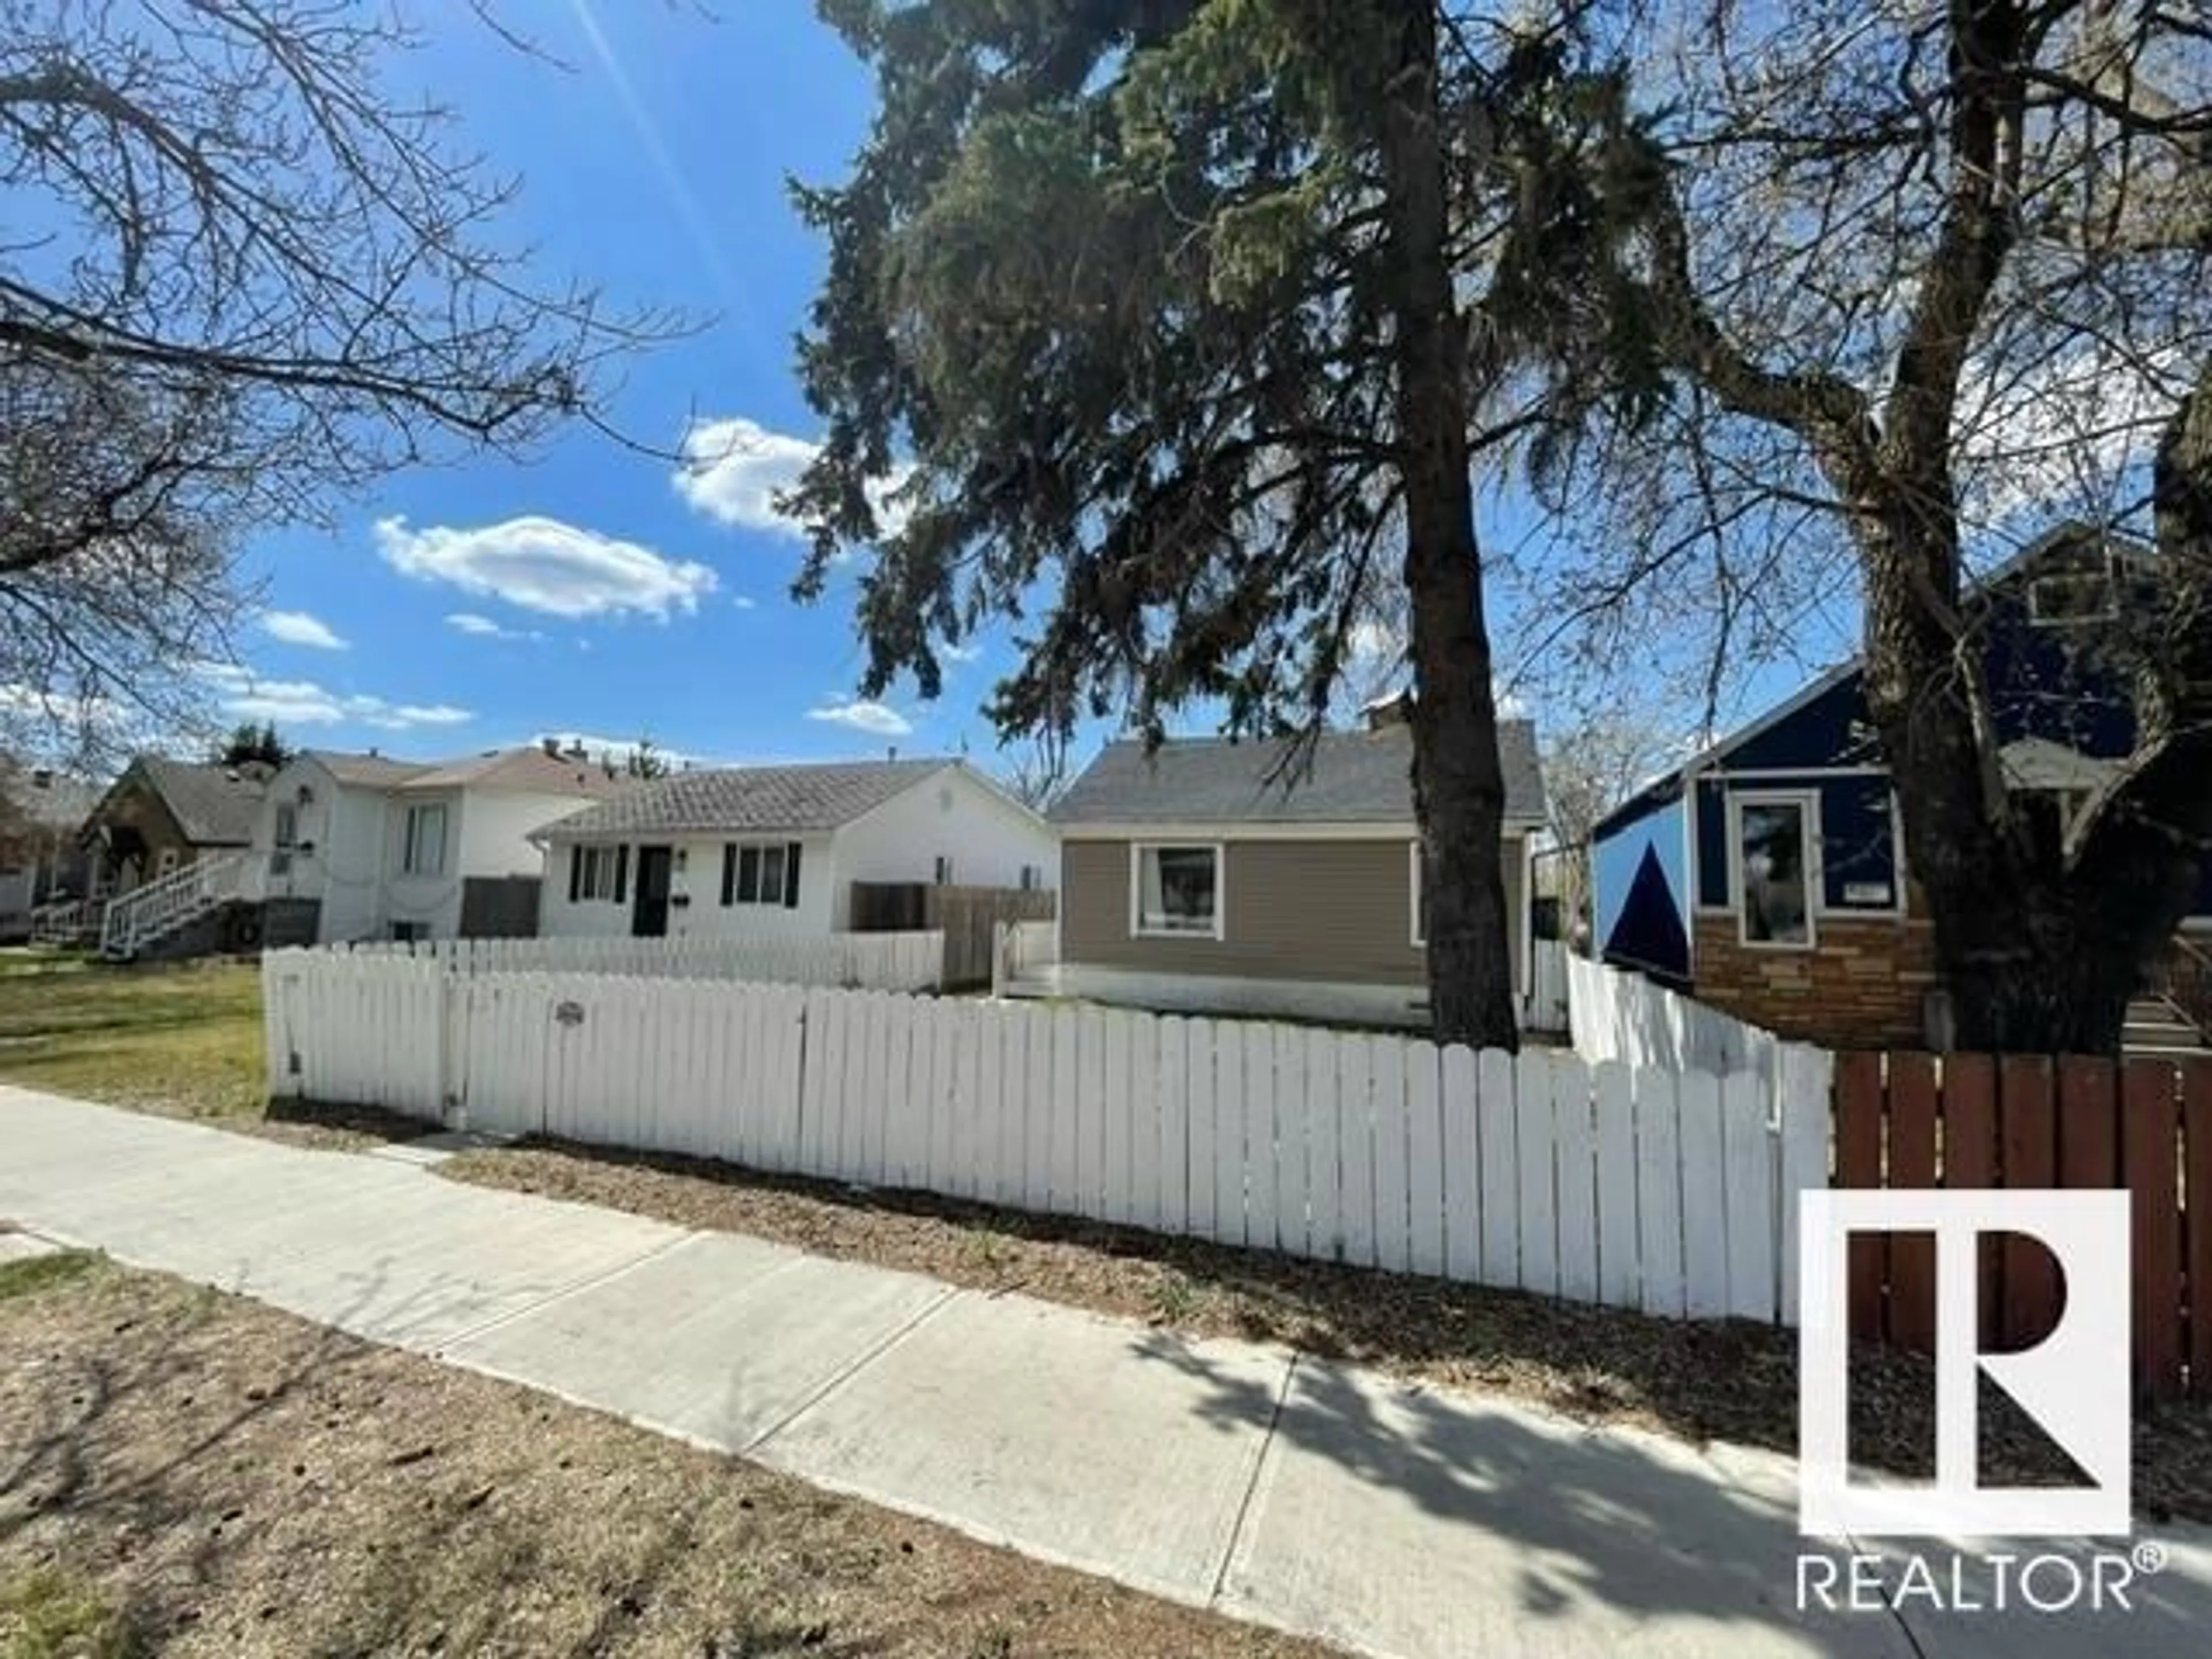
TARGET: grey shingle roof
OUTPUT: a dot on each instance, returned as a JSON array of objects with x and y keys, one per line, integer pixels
[
  {"x": 528, "y": 770},
  {"x": 214, "y": 806},
  {"x": 1356, "y": 777},
  {"x": 759, "y": 799},
  {"x": 376, "y": 771}
]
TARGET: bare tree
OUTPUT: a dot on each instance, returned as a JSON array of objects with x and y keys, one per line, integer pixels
[
  {"x": 1932, "y": 278},
  {"x": 245, "y": 273}
]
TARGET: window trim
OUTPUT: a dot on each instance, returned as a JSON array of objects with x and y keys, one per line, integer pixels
[
  {"x": 1137, "y": 851},
  {"x": 418, "y": 812},
  {"x": 1807, "y": 803},
  {"x": 2109, "y": 611},
  {"x": 595, "y": 874},
  {"x": 284, "y": 832}
]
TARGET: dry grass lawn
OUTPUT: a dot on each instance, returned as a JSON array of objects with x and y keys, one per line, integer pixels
[
  {"x": 187, "y": 1474},
  {"x": 180, "y": 1039}
]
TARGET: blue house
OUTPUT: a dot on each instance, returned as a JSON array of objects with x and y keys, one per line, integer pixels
[{"x": 1766, "y": 875}]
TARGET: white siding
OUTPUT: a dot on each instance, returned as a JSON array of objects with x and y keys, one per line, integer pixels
[
  {"x": 697, "y": 878},
  {"x": 344, "y": 827},
  {"x": 497, "y": 826},
  {"x": 954, "y": 815}
]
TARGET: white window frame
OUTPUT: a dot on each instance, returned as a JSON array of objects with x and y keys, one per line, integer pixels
[
  {"x": 411, "y": 840},
  {"x": 1137, "y": 851},
  {"x": 1807, "y": 802},
  {"x": 1414, "y": 934},
  {"x": 285, "y": 833},
  {"x": 2108, "y": 611}
]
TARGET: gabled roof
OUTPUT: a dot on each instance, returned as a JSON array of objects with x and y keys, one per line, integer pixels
[
  {"x": 527, "y": 771},
  {"x": 370, "y": 771},
  {"x": 213, "y": 805},
  {"x": 60, "y": 802},
  {"x": 1355, "y": 777},
  {"x": 751, "y": 800}
]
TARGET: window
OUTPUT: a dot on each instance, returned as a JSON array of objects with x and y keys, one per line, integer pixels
[
  {"x": 761, "y": 875},
  {"x": 592, "y": 873},
  {"x": 1419, "y": 889},
  {"x": 2059, "y": 601},
  {"x": 424, "y": 853},
  {"x": 1774, "y": 870},
  {"x": 1177, "y": 891},
  {"x": 1032, "y": 878},
  {"x": 408, "y": 932},
  {"x": 288, "y": 824},
  {"x": 942, "y": 876}
]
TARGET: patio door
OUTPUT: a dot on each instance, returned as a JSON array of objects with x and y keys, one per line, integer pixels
[{"x": 649, "y": 912}]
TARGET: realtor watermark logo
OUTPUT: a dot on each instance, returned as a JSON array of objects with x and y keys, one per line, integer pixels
[{"x": 2073, "y": 1384}]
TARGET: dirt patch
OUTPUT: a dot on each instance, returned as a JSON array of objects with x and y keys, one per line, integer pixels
[
  {"x": 1732, "y": 1381},
  {"x": 186, "y": 1474}
]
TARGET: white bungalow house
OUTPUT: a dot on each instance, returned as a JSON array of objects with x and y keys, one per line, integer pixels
[
  {"x": 776, "y": 850},
  {"x": 383, "y": 849}
]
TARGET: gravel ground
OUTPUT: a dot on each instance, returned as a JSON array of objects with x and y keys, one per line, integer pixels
[
  {"x": 1729, "y": 1381},
  {"x": 185, "y": 1473}
]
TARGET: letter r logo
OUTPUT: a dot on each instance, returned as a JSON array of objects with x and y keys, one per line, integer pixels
[{"x": 2073, "y": 1384}]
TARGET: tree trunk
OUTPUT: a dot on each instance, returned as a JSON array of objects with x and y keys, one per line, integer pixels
[{"x": 1459, "y": 795}]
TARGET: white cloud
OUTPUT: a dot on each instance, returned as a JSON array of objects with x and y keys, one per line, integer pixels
[
  {"x": 467, "y": 621},
  {"x": 300, "y": 628},
  {"x": 745, "y": 603},
  {"x": 733, "y": 469},
  {"x": 880, "y": 719},
  {"x": 543, "y": 564},
  {"x": 304, "y": 702},
  {"x": 960, "y": 653}
]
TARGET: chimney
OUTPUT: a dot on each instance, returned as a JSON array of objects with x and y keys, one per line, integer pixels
[
  {"x": 893, "y": 751},
  {"x": 1396, "y": 709},
  {"x": 576, "y": 751},
  {"x": 42, "y": 778},
  {"x": 552, "y": 748}
]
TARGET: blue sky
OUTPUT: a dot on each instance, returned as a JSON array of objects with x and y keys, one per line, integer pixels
[
  {"x": 486, "y": 602},
  {"x": 591, "y": 592}
]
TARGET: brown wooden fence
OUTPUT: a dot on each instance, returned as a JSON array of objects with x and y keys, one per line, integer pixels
[
  {"x": 1973, "y": 1121},
  {"x": 967, "y": 916}
]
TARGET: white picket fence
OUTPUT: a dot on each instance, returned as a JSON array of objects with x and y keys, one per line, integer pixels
[
  {"x": 1548, "y": 1009},
  {"x": 1626, "y": 1017},
  {"x": 1639, "y": 1188},
  {"x": 868, "y": 962}
]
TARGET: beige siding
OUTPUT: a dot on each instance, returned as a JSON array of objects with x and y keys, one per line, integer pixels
[{"x": 1333, "y": 910}]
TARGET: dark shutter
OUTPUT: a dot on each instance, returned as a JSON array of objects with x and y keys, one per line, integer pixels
[
  {"x": 790, "y": 877},
  {"x": 748, "y": 876},
  {"x": 575, "y": 872},
  {"x": 729, "y": 872},
  {"x": 622, "y": 872}
]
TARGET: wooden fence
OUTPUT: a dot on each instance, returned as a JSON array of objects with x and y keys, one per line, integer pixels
[
  {"x": 1647, "y": 1188},
  {"x": 968, "y": 917},
  {"x": 1969, "y": 1121},
  {"x": 874, "y": 962}
]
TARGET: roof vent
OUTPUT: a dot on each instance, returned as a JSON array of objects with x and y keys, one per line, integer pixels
[
  {"x": 892, "y": 751},
  {"x": 552, "y": 746},
  {"x": 42, "y": 778}
]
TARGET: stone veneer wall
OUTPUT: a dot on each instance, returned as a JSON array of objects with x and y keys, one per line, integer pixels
[{"x": 1863, "y": 988}]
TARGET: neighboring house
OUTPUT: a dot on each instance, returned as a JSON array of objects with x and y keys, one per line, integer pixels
[
  {"x": 41, "y": 861},
  {"x": 776, "y": 850},
  {"x": 1196, "y": 878},
  {"x": 163, "y": 814},
  {"x": 363, "y": 846},
  {"x": 1766, "y": 875}
]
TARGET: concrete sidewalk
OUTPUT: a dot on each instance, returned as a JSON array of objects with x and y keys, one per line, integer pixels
[{"x": 1313, "y": 1496}]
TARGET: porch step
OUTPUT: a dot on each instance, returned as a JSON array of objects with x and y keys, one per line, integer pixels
[{"x": 2154, "y": 1026}]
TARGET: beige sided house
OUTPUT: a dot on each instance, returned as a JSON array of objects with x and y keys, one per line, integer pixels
[{"x": 1194, "y": 879}]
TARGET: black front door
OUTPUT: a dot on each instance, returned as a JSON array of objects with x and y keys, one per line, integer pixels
[{"x": 649, "y": 917}]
